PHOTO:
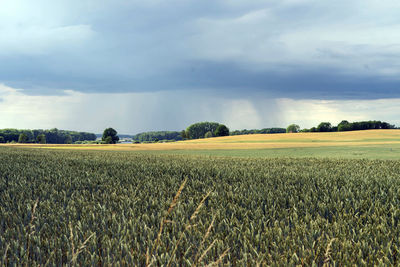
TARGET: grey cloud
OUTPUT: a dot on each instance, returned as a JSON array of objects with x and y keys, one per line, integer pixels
[
  {"x": 285, "y": 81},
  {"x": 298, "y": 49}
]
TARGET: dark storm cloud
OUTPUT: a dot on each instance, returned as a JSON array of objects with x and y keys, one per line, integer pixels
[
  {"x": 223, "y": 78},
  {"x": 289, "y": 81},
  {"x": 294, "y": 49}
]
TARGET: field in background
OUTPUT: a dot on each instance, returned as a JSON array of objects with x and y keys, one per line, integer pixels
[{"x": 384, "y": 144}]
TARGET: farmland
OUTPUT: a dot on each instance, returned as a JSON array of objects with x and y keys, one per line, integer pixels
[
  {"x": 373, "y": 144},
  {"x": 106, "y": 207}
]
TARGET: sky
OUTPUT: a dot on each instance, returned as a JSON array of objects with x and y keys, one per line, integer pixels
[{"x": 162, "y": 65}]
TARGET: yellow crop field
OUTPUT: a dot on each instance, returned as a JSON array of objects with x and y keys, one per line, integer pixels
[{"x": 254, "y": 141}]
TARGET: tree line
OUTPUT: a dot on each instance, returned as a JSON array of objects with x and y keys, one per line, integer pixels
[
  {"x": 214, "y": 129},
  {"x": 52, "y": 136},
  {"x": 194, "y": 131},
  {"x": 259, "y": 131},
  {"x": 342, "y": 126},
  {"x": 155, "y": 136}
]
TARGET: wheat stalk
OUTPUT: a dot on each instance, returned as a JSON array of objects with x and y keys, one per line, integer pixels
[
  {"x": 328, "y": 252},
  {"x": 188, "y": 226},
  {"x": 3, "y": 261},
  {"x": 221, "y": 257},
  {"x": 163, "y": 221},
  {"x": 30, "y": 229},
  {"x": 206, "y": 251},
  {"x": 48, "y": 259},
  {"x": 197, "y": 260},
  {"x": 150, "y": 257},
  {"x": 75, "y": 253}
]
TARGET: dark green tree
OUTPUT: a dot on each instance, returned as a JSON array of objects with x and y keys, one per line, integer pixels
[
  {"x": 183, "y": 134},
  {"x": 208, "y": 134},
  {"x": 68, "y": 139},
  {"x": 343, "y": 122},
  {"x": 2, "y": 140},
  {"x": 53, "y": 136},
  {"x": 108, "y": 140},
  {"x": 293, "y": 128},
  {"x": 41, "y": 139},
  {"x": 110, "y": 136},
  {"x": 198, "y": 130},
  {"x": 324, "y": 127},
  {"x": 258, "y": 131},
  {"x": 385, "y": 125},
  {"x": 305, "y": 130},
  {"x": 221, "y": 130},
  {"x": 160, "y": 135},
  {"x": 344, "y": 126},
  {"x": 23, "y": 138}
]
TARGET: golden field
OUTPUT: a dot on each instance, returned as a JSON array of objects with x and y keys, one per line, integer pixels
[{"x": 254, "y": 141}]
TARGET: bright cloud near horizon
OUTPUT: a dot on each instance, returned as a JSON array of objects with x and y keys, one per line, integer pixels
[{"x": 162, "y": 65}]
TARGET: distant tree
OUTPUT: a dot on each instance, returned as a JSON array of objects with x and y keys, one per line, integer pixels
[
  {"x": 183, "y": 134},
  {"x": 293, "y": 128},
  {"x": 9, "y": 135},
  {"x": 110, "y": 136},
  {"x": 343, "y": 122},
  {"x": 208, "y": 134},
  {"x": 221, "y": 130},
  {"x": 271, "y": 130},
  {"x": 198, "y": 130},
  {"x": 41, "y": 139},
  {"x": 2, "y": 140},
  {"x": 108, "y": 140},
  {"x": 53, "y": 136},
  {"x": 23, "y": 138},
  {"x": 68, "y": 139},
  {"x": 258, "y": 131},
  {"x": 344, "y": 126},
  {"x": 324, "y": 127},
  {"x": 160, "y": 135},
  {"x": 385, "y": 125}
]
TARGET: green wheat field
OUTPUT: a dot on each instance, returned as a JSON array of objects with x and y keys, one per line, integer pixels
[{"x": 119, "y": 208}]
